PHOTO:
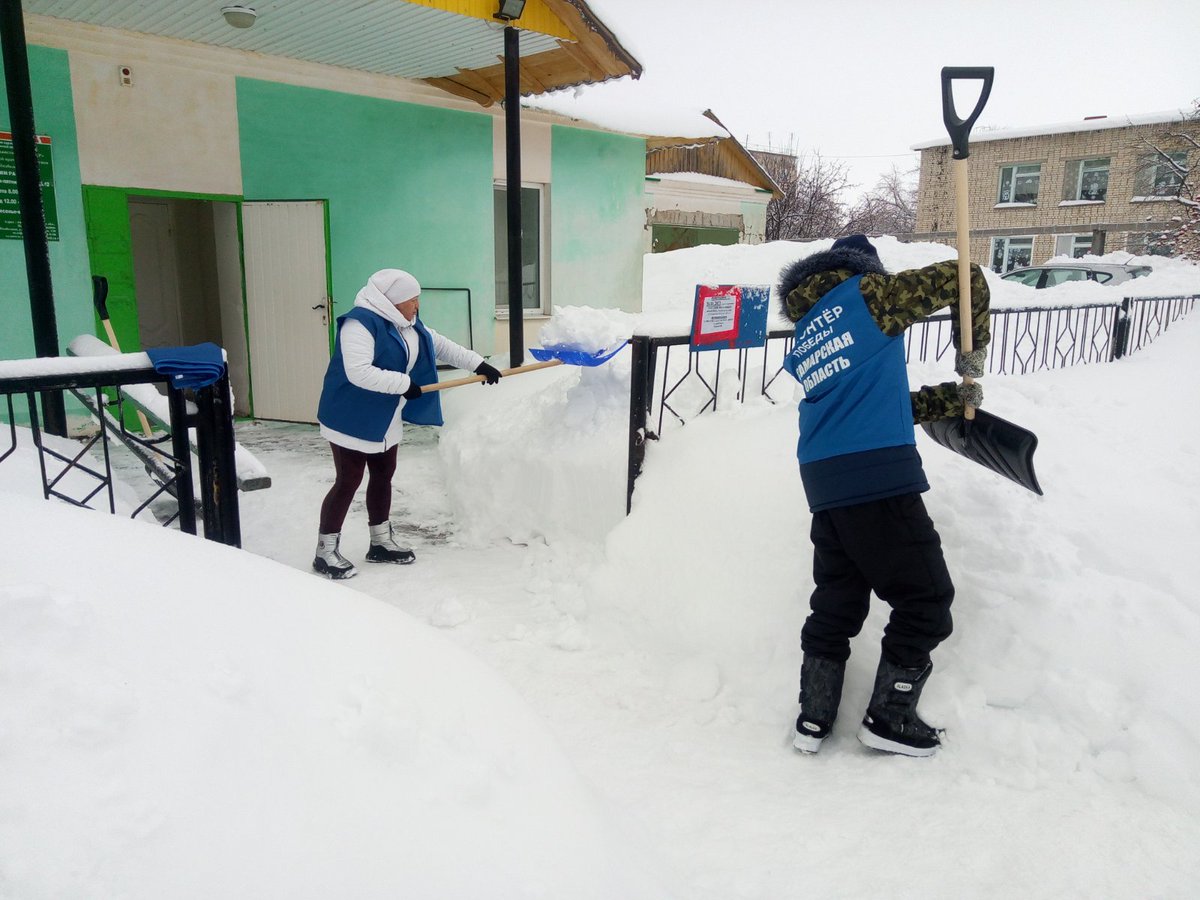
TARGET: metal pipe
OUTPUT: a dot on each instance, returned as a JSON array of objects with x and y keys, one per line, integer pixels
[
  {"x": 512, "y": 150},
  {"x": 29, "y": 198},
  {"x": 642, "y": 350}
]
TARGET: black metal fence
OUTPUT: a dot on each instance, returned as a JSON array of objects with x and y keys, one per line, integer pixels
[
  {"x": 670, "y": 384},
  {"x": 166, "y": 456}
]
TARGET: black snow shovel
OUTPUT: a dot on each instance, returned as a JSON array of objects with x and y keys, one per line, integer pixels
[{"x": 995, "y": 443}]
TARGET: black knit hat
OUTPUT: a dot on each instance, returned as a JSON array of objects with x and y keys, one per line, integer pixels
[{"x": 857, "y": 242}]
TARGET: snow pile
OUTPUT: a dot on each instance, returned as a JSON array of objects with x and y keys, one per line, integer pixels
[
  {"x": 496, "y": 458},
  {"x": 180, "y": 719},
  {"x": 670, "y": 279},
  {"x": 21, "y": 472},
  {"x": 586, "y": 328},
  {"x": 662, "y": 651},
  {"x": 544, "y": 459}
]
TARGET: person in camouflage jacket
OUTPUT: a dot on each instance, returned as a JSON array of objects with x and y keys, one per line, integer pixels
[{"x": 863, "y": 478}]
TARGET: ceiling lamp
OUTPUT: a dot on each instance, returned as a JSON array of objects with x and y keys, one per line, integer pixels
[
  {"x": 510, "y": 9},
  {"x": 239, "y": 16}
]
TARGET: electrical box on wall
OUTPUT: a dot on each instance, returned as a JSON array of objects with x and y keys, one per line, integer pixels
[{"x": 126, "y": 76}]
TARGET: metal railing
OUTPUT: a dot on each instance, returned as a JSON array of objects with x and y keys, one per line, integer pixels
[
  {"x": 1024, "y": 340},
  {"x": 166, "y": 456}
]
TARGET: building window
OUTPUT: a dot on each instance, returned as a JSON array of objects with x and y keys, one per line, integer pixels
[
  {"x": 1073, "y": 245},
  {"x": 1086, "y": 179},
  {"x": 1019, "y": 184},
  {"x": 1159, "y": 177},
  {"x": 534, "y": 236},
  {"x": 1009, "y": 253}
]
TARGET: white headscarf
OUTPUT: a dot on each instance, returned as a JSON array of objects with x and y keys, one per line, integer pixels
[{"x": 384, "y": 290}]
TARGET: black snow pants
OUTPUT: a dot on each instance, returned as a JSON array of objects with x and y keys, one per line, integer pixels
[{"x": 889, "y": 546}]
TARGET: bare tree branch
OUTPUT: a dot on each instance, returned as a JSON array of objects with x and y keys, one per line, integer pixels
[{"x": 1168, "y": 169}]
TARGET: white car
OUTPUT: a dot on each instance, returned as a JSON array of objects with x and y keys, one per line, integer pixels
[{"x": 1057, "y": 273}]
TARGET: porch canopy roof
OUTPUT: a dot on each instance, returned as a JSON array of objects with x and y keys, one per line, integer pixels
[{"x": 453, "y": 45}]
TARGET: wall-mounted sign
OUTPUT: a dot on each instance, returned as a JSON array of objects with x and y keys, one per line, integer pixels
[
  {"x": 10, "y": 207},
  {"x": 730, "y": 316}
]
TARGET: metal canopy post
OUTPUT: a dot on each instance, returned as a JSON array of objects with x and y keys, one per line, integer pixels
[
  {"x": 512, "y": 191},
  {"x": 29, "y": 198}
]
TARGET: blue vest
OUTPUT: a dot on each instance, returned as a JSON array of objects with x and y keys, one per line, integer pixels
[
  {"x": 857, "y": 441},
  {"x": 364, "y": 414}
]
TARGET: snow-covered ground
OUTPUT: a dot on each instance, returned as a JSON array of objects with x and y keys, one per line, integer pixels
[{"x": 558, "y": 701}]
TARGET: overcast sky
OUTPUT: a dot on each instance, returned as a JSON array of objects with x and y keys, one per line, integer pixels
[{"x": 860, "y": 81}]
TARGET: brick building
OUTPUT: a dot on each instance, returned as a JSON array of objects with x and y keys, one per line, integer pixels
[{"x": 1089, "y": 187}]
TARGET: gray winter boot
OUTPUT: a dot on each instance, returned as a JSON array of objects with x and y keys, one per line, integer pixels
[
  {"x": 384, "y": 548},
  {"x": 891, "y": 722},
  {"x": 329, "y": 561},
  {"x": 820, "y": 694}
]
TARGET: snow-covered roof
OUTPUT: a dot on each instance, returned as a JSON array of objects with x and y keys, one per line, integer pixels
[
  {"x": 628, "y": 106},
  {"x": 1097, "y": 123}
]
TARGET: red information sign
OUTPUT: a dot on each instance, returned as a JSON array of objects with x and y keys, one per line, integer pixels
[{"x": 717, "y": 316}]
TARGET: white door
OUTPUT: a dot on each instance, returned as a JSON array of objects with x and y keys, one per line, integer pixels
[{"x": 287, "y": 307}]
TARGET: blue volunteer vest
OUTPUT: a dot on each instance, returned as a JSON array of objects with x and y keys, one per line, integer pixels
[
  {"x": 857, "y": 441},
  {"x": 364, "y": 414}
]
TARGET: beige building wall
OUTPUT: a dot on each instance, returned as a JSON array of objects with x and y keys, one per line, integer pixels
[{"x": 1119, "y": 216}]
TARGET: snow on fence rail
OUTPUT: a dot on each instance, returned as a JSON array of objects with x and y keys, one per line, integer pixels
[{"x": 670, "y": 384}]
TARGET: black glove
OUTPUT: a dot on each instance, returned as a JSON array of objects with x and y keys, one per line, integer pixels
[
  {"x": 971, "y": 394},
  {"x": 413, "y": 392},
  {"x": 970, "y": 364},
  {"x": 490, "y": 373}
]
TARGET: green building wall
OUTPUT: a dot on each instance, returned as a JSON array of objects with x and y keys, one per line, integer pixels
[
  {"x": 597, "y": 217},
  {"x": 407, "y": 186},
  {"x": 54, "y": 115}
]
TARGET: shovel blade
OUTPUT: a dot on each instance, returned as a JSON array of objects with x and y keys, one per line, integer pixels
[
  {"x": 575, "y": 356},
  {"x": 994, "y": 443}
]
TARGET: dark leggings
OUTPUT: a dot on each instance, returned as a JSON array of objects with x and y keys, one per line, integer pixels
[{"x": 349, "y": 465}]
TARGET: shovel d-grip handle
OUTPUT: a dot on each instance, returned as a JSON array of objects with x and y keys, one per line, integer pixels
[{"x": 960, "y": 129}]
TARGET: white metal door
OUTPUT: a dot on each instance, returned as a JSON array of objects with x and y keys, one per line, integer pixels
[{"x": 288, "y": 307}]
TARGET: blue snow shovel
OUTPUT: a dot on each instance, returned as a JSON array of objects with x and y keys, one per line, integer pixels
[
  {"x": 994, "y": 443},
  {"x": 554, "y": 355}
]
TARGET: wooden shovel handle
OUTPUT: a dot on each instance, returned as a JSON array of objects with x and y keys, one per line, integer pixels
[
  {"x": 474, "y": 379},
  {"x": 147, "y": 431},
  {"x": 966, "y": 337}
]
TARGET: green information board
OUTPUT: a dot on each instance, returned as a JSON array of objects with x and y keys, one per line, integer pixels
[{"x": 10, "y": 207}]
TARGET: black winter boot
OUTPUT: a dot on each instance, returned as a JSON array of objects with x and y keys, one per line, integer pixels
[
  {"x": 891, "y": 722},
  {"x": 820, "y": 694},
  {"x": 384, "y": 548}
]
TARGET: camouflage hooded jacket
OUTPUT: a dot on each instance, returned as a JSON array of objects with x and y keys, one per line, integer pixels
[{"x": 895, "y": 302}]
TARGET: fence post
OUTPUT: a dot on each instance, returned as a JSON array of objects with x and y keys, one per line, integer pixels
[
  {"x": 218, "y": 470},
  {"x": 1121, "y": 329},
  {"x": 641, "y": 366},
  {"x": 182, "y": 454}
]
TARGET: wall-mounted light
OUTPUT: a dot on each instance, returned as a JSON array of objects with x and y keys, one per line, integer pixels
[
  {"x": 510, "y": 9},
  {"x": 239, "y": 16}
]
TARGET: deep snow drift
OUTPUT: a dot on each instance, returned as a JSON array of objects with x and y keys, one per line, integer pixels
[{"x": 661, "y": 652}]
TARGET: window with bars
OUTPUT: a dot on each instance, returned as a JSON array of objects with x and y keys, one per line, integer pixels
[
  {"x": 1019, "y": 184},
  {"x": 1086, "y": 179}
]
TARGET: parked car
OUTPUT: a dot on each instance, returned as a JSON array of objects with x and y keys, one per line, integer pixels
[{"x": 1058, "y": 273}]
